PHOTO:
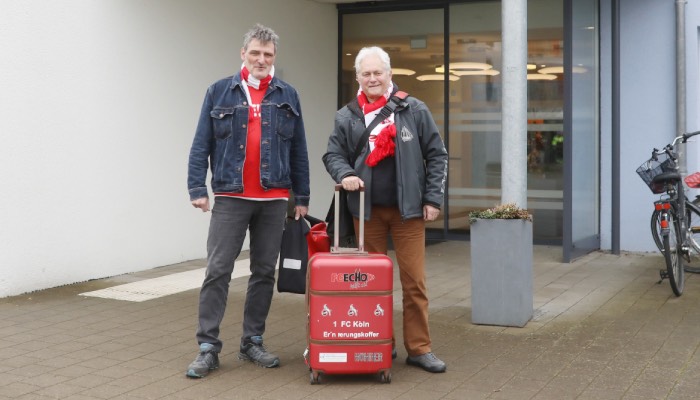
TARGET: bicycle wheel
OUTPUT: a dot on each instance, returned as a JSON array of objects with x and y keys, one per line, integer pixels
[
  {"x": 694, "y": 238},
  {"x": 673, "y": 255}
]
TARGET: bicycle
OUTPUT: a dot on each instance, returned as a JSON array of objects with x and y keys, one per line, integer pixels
[
  {"x": 693, "y": 211},
  {"x": 672, "y": 222}
]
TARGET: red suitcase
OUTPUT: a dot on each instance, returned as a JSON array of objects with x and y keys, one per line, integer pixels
[{"x": 350, "y": 307}]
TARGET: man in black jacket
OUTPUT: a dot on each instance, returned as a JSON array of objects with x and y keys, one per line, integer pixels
[{"x": 403, "y": 167}]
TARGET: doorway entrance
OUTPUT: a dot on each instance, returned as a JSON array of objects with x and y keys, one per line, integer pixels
[{"x": 448, "y": 54}]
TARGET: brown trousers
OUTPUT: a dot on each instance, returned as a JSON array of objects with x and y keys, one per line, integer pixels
[{"x": 408, "y": 238}]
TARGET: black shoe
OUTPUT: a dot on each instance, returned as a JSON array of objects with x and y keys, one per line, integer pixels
[
  {"x": 428, "y": 362},
  {"x": 255, "y": 352},
  {"x": 393, "y": 354},
  {"x": 207, "y": 360}
]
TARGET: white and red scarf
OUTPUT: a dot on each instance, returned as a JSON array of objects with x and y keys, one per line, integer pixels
[
  {"x": 381, "y": 139},
  {"x": 250, "y": 80}
]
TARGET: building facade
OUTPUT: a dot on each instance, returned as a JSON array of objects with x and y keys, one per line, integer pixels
[
  {"x": 581, "y": 154},
  {"x": 101, "y": 99}
]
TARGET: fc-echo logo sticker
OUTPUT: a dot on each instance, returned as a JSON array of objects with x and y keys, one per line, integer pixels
[{"x": 356, "y": 279}]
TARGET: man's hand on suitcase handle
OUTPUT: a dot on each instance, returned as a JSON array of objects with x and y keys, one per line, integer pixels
[{"x": 352, "y": 183}]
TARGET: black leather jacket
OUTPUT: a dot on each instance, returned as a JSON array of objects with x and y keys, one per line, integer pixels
[{"x": 421, "y": 158}]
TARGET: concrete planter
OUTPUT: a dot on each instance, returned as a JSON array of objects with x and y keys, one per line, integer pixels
[{"x": 501, "y": 277}]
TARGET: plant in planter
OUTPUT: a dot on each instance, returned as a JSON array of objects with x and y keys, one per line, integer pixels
[
  {"x": 503, "y": 211},
  {"x": 501, "y": 266}
]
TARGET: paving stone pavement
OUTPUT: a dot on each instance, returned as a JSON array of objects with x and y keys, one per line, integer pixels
[{"x": 602, "y": 329}]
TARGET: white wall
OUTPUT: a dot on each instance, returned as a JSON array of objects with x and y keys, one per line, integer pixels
[
  {"x": 647, "y": 107},
  {"x": 98, "y": 107}
]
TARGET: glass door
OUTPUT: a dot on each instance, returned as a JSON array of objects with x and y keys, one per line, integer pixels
[
  {"x": 475, "y": 114},
  {"x": 582, "y": 226},
  {"x": 415, "y": 42},
  {"x": 449, "y": 56}
]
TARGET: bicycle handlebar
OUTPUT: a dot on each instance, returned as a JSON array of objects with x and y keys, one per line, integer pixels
[
  {"x": 668, "y": 149},
  {"x": 687, "y": 136}
]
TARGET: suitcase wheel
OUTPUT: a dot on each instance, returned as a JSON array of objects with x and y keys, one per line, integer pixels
[
  {"x": 385, "y": 376},
  {"x": 315, "y": 377}
]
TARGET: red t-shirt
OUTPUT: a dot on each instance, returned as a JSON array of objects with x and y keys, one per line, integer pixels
[{"x": 252, "y": 188}]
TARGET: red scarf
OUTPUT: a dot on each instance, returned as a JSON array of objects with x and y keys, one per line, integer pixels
[
  {"x": 252, "y": 81},
  {"x": 384, "y": 145}
]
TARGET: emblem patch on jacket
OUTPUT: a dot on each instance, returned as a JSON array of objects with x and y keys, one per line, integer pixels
[{"x": 406, "y": 135}]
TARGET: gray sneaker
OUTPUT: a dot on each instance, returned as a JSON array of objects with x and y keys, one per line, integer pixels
[
  {"x": 207, "y": 360},
  {"x": 255, "y": 351},
  {"x": 428, "y": 362}
]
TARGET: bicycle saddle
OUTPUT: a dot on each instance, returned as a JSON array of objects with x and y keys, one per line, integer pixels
[{"x": 670, "y": 176}]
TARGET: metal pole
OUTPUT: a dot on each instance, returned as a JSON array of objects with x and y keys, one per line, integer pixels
[
  {"x": 514, "y": 103},
  {"x": 680, "y": 83},
  {"x": 616, "y": 146}
]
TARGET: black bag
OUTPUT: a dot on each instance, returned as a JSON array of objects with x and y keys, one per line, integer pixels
[{"x": 294, "y": 255}]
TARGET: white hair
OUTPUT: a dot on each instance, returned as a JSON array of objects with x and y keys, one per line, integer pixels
[{"x": 365, "y": 51}]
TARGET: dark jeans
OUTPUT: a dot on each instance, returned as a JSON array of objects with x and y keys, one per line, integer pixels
[{"x": 231, "y": 218}]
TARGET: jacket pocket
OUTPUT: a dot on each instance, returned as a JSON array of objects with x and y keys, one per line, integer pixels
[
  {"x": 222, "y": 121},
  {"x": 286, "y": 120}
]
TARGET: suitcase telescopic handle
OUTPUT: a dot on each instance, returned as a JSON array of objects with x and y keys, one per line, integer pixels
[{"x": 336, "y": 228}]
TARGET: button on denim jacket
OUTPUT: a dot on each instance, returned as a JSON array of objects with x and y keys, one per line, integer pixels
[{"x": 221, "y": 133}]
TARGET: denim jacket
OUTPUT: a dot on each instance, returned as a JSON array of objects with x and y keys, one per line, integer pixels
[{"x": 220, "y": 141}]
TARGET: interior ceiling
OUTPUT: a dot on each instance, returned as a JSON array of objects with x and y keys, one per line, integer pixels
[
  {"x": 480, "y": 43},
  {"x": 544, "y": 48}
]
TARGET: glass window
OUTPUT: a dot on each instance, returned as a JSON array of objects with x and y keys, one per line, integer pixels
[{"x": 471, "y": 98}]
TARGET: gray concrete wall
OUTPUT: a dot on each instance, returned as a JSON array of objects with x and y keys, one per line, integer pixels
[
  {"x": 99, "y": 104},
  {"x": 648, "y": 104}
]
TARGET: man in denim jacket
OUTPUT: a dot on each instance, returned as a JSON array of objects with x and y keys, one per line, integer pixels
[{"x": 251, "y": 134}]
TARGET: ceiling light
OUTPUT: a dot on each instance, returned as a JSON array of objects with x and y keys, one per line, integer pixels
[
  {"x": 436, "y": 77},
  {"x": 551, "y": 70},
  {"x": 541, "y": 77},
  {"x": 531, "y": 67},
  {"x": 464, "y": 66},
  {"x": 402, "y": 71},
  {"x": 560, "y": 70},
  {"x": 489, "y": 72}
]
